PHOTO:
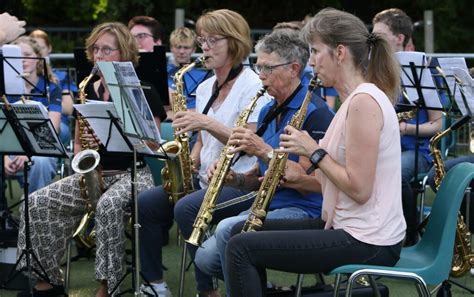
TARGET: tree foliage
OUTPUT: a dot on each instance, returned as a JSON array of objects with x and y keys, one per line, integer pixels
[{"x": 453, "y": 19}]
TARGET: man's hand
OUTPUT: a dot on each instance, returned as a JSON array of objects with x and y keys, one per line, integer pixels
[{"x": 10, "y": 28}]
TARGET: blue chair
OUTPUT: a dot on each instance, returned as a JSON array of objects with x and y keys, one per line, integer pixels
[
  {"x": 154, "y": 164},
  {"x": 429, "y": 261}
]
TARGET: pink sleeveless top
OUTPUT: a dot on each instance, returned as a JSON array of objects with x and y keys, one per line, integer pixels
[{"x": 380, "y": 220}]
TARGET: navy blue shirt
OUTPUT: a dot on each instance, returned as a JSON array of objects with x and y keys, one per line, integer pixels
[
  {"x": 54, "y": 101},
  {"x": 192, "y": 79},
  {"x": 317, "y": 120}
]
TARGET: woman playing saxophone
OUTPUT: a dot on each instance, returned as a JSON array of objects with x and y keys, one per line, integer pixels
[
  {"x": 224, "y": 37},
  {"x": 281, "y": 58},
  {"x": 61, "y": 204},
  {"x": 358, "y": 167}
]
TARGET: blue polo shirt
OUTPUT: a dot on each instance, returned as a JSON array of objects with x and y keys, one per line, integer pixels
[
  {"x": 54, "y": 102},
  {"x": 317, "y": 120},
  {"x": 320, "y": 91},
  {"x": 192, "y": 79},
  {"x": 408, "y": 142}
]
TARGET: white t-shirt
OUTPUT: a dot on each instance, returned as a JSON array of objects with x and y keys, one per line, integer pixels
[{"x": 244, "y": 89}]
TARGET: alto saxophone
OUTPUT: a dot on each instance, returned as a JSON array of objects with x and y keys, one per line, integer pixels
[
  {"x": 86, "y": 163},
  {"x": 177, "y": 175},
  {"x": 276, "y": 170},
  {"x": 463, "y": 257},
  {"x": 208, "y": 205}
]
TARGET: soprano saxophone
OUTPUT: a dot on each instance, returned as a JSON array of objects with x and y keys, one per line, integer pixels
[
  {"x": 463, "y": 257},
  {"x": 206, "y": 210},
  {"x": 177, "y": 175},
  {"x": 276, "y": 170}
]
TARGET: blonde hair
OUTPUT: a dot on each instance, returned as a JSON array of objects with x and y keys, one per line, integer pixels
[
  {"x": 126, "y": 43},
  {"x": 232, "y": 25},
  {"x": 182, "y": 35},
  {"x": 371, "y": 53},
  {"x": 40, "y": 66},
  {"x": 41, "y": 34}
]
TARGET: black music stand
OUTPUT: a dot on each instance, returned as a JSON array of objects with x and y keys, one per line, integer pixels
[
  {"x": 418, "y": 82},
  {"x": 31, "y": 133},
  {"x": 151, "y": 68}
]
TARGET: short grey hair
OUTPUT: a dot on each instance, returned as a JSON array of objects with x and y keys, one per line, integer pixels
[{"x": 287, "y": 45}]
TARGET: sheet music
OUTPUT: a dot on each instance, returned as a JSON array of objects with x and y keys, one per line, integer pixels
[
  {"x": 14, "y": 83},
  {"x": 97, "y": 115},
  {"x": 36, "y": 127},
  {"x": 129, "y": 99},
  {"x": 136, "y": 99},
  {"x": 430, "y": 94},
  {"x": 467, "y": 88},
  {"x": 98, "y": 118},
  {"x": 447, "y": 65}
]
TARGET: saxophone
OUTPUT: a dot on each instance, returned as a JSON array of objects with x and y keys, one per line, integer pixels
[
  {"x": 406, "y": 115},
  {"x": 276, "y": 170},
  {"x": 86, "y": 163},
  {"x": 177, "y": 175},
  {"x": 206, "y": 210},
  {"x": 463, "y": 257}
]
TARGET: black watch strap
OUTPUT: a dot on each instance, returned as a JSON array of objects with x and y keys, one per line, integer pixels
[{"x": 315, "y": 158}]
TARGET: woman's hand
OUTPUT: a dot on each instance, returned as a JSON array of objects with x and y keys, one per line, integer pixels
[
  {"x": 297, "y": 142},
  {"x": 190, "y": 121}
]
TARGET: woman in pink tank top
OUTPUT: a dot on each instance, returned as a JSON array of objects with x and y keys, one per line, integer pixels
[{"x": 357, "y": 166}]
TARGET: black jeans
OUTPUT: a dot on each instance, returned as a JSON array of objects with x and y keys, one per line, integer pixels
[{"x": 299, "y": 246}]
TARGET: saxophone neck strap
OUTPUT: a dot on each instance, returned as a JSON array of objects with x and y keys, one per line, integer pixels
[
  {"x": 233, "y": 73},
  {"x": 275, "y": 111}
]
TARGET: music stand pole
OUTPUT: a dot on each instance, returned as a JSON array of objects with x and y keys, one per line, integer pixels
[{"x": 135, "y": 267}]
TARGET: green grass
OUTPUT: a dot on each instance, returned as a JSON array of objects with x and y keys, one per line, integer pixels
[{"x": 83, "y": 284}]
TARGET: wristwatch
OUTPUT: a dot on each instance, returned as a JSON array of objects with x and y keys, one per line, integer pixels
[
  {"x": 315, "y": 158},
  {"x": 270, "y": 156}
]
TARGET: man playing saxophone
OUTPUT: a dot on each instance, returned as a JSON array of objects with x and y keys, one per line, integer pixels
[
  {"x": 56, "y": 210},
  {"x": 281, "y": 57},
  {"x": 224, "y": 37}
]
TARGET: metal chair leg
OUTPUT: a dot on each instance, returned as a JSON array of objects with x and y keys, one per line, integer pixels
[
  {"x": 182, "y": 270},
  {"x": 374, "y": 286},
  {"x": 337, "y": 285},
  {"x": 68, "y": 266},
  {"x": 299, "y": 284}
]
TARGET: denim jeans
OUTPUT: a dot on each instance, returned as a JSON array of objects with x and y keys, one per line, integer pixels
[
  {"x": 298, "y": 246},
  {"x": 155, "y": 216},
  {"x": 230, "y": 202},
  {"x": 210, "y": 257},
  {"x": 408, "y": 197},
  {"x": 41, "y": 173}
]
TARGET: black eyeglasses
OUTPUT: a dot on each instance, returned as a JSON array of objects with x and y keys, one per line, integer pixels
[
  {"x": 267, "y": 69},
  {"x": 141, "y": 36},
  {"x": 105, "y": 50},
  {"x": 210, "y": 41}
]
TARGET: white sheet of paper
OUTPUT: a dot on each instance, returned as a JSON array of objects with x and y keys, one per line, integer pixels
[
  {"x": 447, "y": 65},
  {"x": 467, "y": 88},
  {"x": 14, "y": 83},
  {"x": 430, "y": 94}
]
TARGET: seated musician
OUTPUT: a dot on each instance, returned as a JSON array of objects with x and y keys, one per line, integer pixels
[
  {"x": 281, "y": 58},
  {"x": 55, "y": 211},
  {"x": 43, "y": 170},
  {"x": 358, "y": 163},
  {"x": 224, "y": 37}
]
